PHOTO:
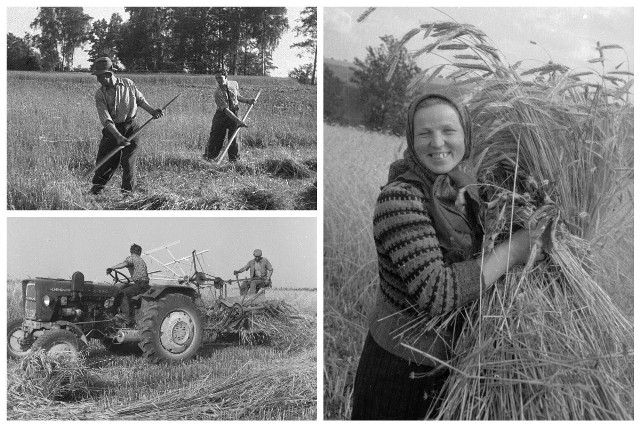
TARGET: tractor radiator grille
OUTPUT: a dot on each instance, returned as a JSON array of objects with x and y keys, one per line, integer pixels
[{"x": 30, "y": 301}]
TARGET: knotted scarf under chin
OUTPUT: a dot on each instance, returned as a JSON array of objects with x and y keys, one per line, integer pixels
[{"x": 452, "y": 203}]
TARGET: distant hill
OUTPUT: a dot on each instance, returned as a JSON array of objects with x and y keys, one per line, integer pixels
[
  {"x": 341, "y": 69},
  {"x": 344, "y": 70}
]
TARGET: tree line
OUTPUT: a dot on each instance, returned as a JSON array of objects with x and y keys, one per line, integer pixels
[
  {"x": 381, "y": 102},
  {"x": 164, "y": 39}
]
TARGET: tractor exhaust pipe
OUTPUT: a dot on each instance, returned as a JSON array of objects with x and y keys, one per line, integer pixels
[{"x": 127, "y": 335}]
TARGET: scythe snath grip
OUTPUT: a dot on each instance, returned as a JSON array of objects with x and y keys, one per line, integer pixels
[
  {"x": 113, "y": 152},
  {"x": 223, "y": 152}
]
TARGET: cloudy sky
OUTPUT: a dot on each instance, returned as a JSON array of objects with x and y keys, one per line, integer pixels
[
  {"x": 566, "y": 35},
  {"x": 285, "y": 58},
  {"x": 57, "y": 247}
]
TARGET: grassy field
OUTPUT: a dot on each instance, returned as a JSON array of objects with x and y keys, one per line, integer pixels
[
  {"x": 53, "y": 133},
  {"x": 356, "y": 165},
  {"x": 226, "y": 381}
]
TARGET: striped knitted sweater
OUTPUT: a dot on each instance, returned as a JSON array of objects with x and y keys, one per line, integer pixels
[{"x": 414, "y": 278}]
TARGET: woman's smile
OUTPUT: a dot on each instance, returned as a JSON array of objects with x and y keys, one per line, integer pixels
[{"x": 438, "y": 137}]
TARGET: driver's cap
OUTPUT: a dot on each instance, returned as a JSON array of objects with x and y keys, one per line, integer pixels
[{"x": 257, "y": 252}]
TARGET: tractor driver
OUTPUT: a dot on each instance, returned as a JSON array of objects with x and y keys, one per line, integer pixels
[
  {"x": 139, "y": 280},
  {"x": 260, "y": 271}
]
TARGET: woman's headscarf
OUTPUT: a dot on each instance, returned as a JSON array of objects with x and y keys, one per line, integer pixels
[{"x": 445, "y": 193}]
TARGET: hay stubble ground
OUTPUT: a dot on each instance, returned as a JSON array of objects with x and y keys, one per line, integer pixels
[{"x": 226, "y": 381}]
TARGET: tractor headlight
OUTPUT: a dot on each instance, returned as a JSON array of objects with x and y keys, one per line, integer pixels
[{"x": 46, "y": 300}]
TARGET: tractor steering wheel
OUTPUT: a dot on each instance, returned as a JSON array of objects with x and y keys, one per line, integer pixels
[{"x": 119, "y": 277}]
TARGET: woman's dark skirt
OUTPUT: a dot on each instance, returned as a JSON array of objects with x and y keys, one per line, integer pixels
[{"x": 386, "y": 388}]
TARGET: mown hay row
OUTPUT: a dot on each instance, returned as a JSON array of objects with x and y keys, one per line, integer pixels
[
  {"x": 255, "y": 389},
  {"x": 287, "y": 329}
]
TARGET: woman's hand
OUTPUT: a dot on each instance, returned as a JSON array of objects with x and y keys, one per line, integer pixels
[
  {"x": 522, "y": 242},
  {"x": 509, "y": 253}
]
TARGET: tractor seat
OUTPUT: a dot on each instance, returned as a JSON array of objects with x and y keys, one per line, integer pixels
[{"x": 77, "y": 282}]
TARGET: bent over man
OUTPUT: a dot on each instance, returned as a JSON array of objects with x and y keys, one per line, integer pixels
[
  {"x": 260, "y": 271},
  {"x": 139, "y": 277},
  {"x": 117, "y": 102},
  {"x": 226, "y": 96}
]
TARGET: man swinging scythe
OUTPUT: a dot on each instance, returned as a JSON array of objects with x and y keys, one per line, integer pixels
[
  {"x": 117, "y": 102},
  {"x": 227, "y": 96}
]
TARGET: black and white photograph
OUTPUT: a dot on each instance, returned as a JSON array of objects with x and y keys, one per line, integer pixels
[
  {"x": 478, "y": 213},
  {"x": 161, "y": 318},
  {"x": 161, "y": 108}
]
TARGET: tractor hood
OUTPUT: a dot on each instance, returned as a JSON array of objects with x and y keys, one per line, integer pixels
[{"x": 41, "y": 296}]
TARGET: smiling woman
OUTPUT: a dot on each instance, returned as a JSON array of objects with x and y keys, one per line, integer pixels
[{"x": 427, "y": 235}]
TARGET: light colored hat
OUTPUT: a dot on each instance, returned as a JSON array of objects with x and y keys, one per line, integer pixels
[
  {"x": 102, "y": 65},
  {"x": 257, "y": 252}
]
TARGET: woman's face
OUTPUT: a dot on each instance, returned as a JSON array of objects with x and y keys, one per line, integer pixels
[{"x": 438, "y": 137}]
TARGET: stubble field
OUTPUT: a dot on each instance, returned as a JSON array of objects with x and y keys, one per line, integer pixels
[
  {"x": 226, "y": 381},
  {"x": 53, "y": 133}
]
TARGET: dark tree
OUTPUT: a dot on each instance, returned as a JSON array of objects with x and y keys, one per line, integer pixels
[
  {"x": 21, "y": 54},
  {"x": 145, "y": 38},
  {"x": 192, "y": 38},
  {"x": 333, "y": 98},
  {"x": 308, "y": 28},
  {"x": 272, "y": 24},
  {"x": 62, "y": 30},
  {"x": 384, "y": 102},
  {"x": 302, "y": 74},
  {"x": 105, "y": 38},
  {"x": 240, "y": 39}
]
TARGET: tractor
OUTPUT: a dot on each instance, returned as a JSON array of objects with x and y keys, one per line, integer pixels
[{"x": 172, "y": 321}]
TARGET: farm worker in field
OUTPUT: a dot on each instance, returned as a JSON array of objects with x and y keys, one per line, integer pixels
[
  {"x": 117, "y": 102},
  {"x": 139, "y": 280},
  {"x": 227, "y": 96},
  {"x": 260, "y": 271},
  {"x": 428, "y": 237}
]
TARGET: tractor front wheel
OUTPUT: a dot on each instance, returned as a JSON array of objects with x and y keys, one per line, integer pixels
[
  {"x": 171, "y": 329},
  {"x": 60, "y": 342},
  {"x": 15, "y": 350}
]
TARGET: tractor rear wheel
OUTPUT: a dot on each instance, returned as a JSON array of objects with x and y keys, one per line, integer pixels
[
  {"x": 60, "y": 342},
  {"x": 14, "y": 332},
  {"x": 171, "y": 329}
]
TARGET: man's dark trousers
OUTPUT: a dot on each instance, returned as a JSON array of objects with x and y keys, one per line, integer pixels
[
  {"x": 125, "y": 157},
  {"x": 219, "y": 125},
  {"x": 131, "y": 290}
]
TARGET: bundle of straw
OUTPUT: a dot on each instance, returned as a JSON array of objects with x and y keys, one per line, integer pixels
[
  {"x": 546, "y": 342},
  {"x": 287, "y": 329},
  {"x": 40, "y": 377},
  {"x": 253, "y": 391}
]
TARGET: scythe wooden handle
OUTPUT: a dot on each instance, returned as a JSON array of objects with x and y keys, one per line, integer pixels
[
  {"x": 113, "y": 152},
  {"x": 221, "y": 155}
]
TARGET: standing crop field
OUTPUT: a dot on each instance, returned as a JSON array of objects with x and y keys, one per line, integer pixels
[
  {"x": 53, "y": 133},
  {"x": 356, "y": 165},
  {"x": 226, "y": 381}
]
